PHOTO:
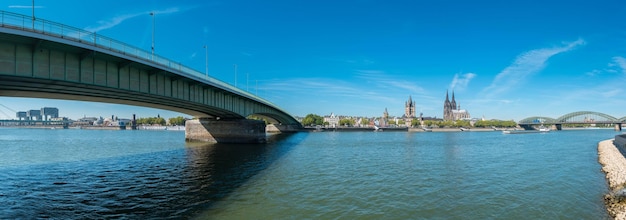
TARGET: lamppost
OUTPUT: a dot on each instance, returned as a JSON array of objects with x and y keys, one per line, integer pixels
[
  {"x": 206, "y": 61},
  {"x": 235, "y": 66},
  {"x": 33, "y": 15},
  {"x": 153, "y": 15}
]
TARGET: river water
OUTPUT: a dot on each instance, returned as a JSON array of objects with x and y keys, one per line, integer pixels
[{"x": 99, "y": 174}]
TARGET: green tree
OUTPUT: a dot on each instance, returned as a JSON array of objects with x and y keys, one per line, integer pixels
[
  {"x": 462, "y": 123},
  {"x": 151, "y": 121},
  {"x": 365, "y": 121},
  {"x": 415, "y": 123},
  {"x": 391, "y": 122},
  {"x": 446, "y": 124},
  {"x": 180, "y": 120},
  {"x": 312, "y": 119},
  {"x": 346, "y": 122},
  {"x": 510, "y": 124},
  {"x": 160, "y": 121},
  {"x": 481, "y": 124},
  {"x": 401, "y": 122}
]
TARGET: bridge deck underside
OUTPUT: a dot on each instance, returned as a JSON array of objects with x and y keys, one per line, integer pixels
[{"x": 44, "y": 68}]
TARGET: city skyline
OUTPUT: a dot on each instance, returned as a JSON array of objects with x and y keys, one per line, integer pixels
[{"x": 507, "y": 60}]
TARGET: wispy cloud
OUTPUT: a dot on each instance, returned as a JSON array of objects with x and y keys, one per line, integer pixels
[
  {"x": 593, "y": 73},
  {"x": 110, "y": 23},
  {"x": 617, "y": 65},
  {"x": 380, "y": 79},
  {"x": 324, "y": 87},
  {"x": 524, "y": 66},
  {"x": 620, "y": 62},
  {"x": 359, "y": 61},
  {"x": 612, "y": 93},
  {"x": 461, "y": 82},
  {"x": 25, "y": 6}
]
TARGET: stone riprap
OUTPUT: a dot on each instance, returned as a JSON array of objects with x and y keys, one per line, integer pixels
[{"x": 614, "y": 165}]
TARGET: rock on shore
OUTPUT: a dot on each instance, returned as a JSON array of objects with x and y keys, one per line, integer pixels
[{"x": 614, "y": 165}]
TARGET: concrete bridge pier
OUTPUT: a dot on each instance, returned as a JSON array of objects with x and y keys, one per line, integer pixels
[
  {"x": 281, "y": 128},
  {"x": 527, "y": 127},
  {"x": 618, "y": 127},
  {"x": 559, "y": 127},
  {"x": 225, "y": 131}
]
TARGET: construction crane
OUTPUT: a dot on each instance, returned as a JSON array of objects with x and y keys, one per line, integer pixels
[{"x": 8, "y": 117}]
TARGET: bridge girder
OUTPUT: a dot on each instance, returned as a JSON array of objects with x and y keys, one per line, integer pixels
[
  {"x": 534, "y": 119},
  {"x": 565, "y": 117}
]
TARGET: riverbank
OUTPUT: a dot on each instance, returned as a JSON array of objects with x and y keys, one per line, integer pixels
[
  {"x": 450, "y": 129},
  {"x": 614, "y": 165}
]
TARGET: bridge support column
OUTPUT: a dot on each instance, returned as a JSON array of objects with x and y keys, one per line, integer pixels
[
  {"x": 559, "y": 127},
  {"x": 274, "y": 128},
  {"x": 618, "y": 127},
  {"x": 225, "y": 131}
]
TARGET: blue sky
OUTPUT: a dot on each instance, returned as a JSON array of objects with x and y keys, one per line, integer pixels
[{"x": 503, "y": 59}]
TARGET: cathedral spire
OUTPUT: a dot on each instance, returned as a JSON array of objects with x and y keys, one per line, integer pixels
[
  {"x": 447, "y": 99},
  {"x": 453, "y": 96},
  {"x": 453, "y": 103}
]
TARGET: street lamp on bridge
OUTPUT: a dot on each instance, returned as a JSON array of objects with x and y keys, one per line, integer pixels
[
  {"x": 33, "y": 14},
  {"x": 152, "y": 14},
  {"x": 206, "y": 61}
]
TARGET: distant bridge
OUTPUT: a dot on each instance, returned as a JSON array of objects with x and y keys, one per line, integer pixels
[
  {"x": 44, "y": 59},
  {"x": 580, "y": 117}
]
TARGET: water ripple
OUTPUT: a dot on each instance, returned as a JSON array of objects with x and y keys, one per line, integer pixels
[{"x": 384, "y": 175}]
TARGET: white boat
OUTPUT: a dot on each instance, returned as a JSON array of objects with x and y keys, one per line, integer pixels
[
  {"x": 543, "y": 129},
  {"x": 520, "y": 131}
]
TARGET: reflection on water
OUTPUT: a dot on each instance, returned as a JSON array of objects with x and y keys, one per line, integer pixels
[
  {"x": 178, "y": 182},
  {"x": 326, "y": 175}
]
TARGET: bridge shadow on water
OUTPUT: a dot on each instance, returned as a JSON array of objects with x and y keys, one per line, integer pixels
[
  {"x": 217, "y": 170},
  {"x": 176, "y": 184}
]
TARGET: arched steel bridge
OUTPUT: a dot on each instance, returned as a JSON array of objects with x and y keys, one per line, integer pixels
[
  {"x": 579, "y": 117},
  {"x": 44, "y": 59}
]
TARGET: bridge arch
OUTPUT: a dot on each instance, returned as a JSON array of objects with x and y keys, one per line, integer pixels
[
  {"x": 622, "y": 119},
  {"x": 586, "y": 116},
  {"x": 537, "y": 120}
]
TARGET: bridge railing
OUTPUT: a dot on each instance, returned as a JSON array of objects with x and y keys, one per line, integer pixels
[{"x": 54, "y": 29}]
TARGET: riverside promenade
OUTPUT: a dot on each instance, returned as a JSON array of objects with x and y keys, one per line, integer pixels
[{"x": 614, "y": 165}]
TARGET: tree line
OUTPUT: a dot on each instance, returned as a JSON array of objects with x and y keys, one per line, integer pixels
[
  {"x": 180, "y": 120},
  {"x": 313, "y": 120}
]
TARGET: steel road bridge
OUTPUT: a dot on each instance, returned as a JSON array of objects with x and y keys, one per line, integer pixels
[
  {"x": 45, "y": 59},
  {"x": 580, "y": 117}
]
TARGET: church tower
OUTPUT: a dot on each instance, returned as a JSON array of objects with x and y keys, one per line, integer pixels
[
  {"x": 386, "y": 114},
  {"x": 447, "y": 108},
  {"x": 453, "y": 103},
  {"x": 452, "y": 111},
  {"x": 409, "y": 108}
]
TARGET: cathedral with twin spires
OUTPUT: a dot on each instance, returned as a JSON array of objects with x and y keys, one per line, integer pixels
[{"x": 452, "y": 111}]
